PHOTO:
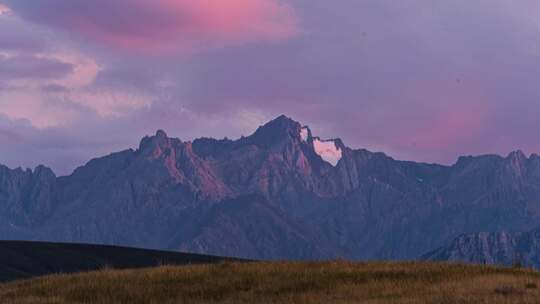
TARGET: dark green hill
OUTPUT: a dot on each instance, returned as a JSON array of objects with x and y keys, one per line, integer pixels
[{"x": 20, "y": 259}]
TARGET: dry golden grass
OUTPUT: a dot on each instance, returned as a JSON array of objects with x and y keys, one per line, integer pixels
[{"x": 332, "y": 282}]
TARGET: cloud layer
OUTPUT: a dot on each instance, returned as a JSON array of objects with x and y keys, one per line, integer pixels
[
  {"x": 165, "y": 25},
  {"x": 422, "y": 80}
]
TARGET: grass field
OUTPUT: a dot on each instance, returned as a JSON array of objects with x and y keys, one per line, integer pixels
[{"x": 260, "y": 283}]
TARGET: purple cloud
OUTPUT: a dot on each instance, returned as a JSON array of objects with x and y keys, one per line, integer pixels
[
  {"x": 422, "y": 80},
  {"x": 164, "y": 25},
  {"x": 33, "y": 67}
]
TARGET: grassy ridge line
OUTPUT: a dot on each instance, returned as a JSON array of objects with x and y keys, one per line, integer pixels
[{"x": 331, "y": 282}]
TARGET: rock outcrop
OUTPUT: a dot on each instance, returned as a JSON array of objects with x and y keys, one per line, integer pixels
[{"x": 500, "y": 248}]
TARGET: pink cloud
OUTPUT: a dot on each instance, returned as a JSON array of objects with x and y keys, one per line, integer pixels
[
  {"x": 3, "y": 9},
  {"x": 444, "y": 116},
  {"x": 162, "y": 25}
]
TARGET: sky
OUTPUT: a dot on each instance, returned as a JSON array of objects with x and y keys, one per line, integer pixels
[{"x": 424, "y": 80}]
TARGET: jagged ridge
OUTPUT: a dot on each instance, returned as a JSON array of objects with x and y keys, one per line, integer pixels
[{"x": 171, "y": 194}]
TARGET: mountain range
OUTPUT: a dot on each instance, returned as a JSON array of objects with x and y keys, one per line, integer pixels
[{"x": 280, "y": 193}]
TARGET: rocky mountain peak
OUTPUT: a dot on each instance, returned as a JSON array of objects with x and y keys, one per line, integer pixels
[
  {"x": 517, "y": 156},
  {"x": 158, "y": 144},
  {"x": 283, "y": 121},
  {"x": 43, "y": 169},
  {"x": 517, "y": 162},
  {"x": 44, "y": 172},
  {"x": 161, "y": 134},
  {"x": 277, "y": 131}
]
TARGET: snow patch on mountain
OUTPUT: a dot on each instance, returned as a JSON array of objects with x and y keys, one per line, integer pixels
[
  {"x": 304, "y": 133},
  {"x": 328, "y": 151}
]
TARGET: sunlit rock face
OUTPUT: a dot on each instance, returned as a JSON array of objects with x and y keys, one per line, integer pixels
[
  {"x": 281, "y": 193},
  {"x": 328, "y": 151}
]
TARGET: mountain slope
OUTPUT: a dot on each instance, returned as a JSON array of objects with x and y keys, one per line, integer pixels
[
  {"x": 501, "y": 248},
  {"x": 260, "y": 229},
  {"x": 281, "y": 185}
]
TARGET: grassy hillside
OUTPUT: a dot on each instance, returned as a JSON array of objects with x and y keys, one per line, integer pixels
[{"x": 337, "y": 282}]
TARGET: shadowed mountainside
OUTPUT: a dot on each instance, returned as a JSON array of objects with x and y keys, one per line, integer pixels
[
  {"x": 501, "y": 248},
  {"x": 21, "y": 260},
  {"x": 281, "y": 193}
]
